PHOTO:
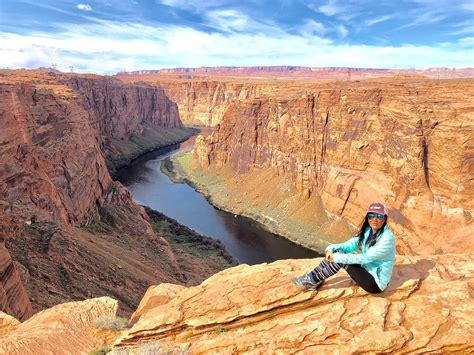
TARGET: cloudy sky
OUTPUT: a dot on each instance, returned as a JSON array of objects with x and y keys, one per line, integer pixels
[{"x": 109, "y": 36}]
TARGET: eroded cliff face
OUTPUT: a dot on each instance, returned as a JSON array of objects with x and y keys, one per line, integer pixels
[
  {"x": 405, "y": 143},
  {"x": 427, "y": 307},
  {"x": 62, "y": 217},
  {"x": 203, "y": 100}
]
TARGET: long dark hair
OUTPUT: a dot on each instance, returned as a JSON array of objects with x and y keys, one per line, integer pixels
[{"x": 365, "y": 224}]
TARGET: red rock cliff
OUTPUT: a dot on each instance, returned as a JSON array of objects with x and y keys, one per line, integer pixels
[
  {"x": 408, "y": 144},
  {"x": 54, "y": 132},
  {"x": 201, "y": 101}
]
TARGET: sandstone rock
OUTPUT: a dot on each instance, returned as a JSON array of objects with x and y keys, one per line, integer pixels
[
  {"x": 63, "y": 329},
  {"x": 255, "y": 309},
  {"x": 7, "y": 323},
  {"x": 155, "y": 296},
  {"x": 13, "y": 297}
]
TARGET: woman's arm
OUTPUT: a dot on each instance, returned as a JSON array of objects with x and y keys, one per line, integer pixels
[
  {"x": 384, "y": 249},
  {"x": 347, "y": 247}
]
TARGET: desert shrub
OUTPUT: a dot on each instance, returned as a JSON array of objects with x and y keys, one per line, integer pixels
[
  {"x": 152, "y": 348},
  {"x": 102, "y": 350},
  {"x": 114, "y": 323},
  {"x": 220, "y": 329}
]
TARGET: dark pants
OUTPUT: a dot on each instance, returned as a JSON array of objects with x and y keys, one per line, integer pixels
[{"x": 360, "y": 275}]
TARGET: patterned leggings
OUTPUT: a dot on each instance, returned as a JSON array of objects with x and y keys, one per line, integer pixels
[{"x": 360, "y": 275}]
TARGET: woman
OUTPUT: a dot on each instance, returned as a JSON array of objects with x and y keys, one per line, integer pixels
[{"x": 372, "y": 268}]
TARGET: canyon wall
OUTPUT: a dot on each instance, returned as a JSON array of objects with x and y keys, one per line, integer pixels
[
  {"x": 56, "y": 131},
  {"x": 68, "y": 226},
  {"x": 408, "y": 144},
  {"x": 201, "y": 101},
  {"x": 204, "y": 102}
]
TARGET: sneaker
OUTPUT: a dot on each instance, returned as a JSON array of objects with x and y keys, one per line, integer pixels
[{"x": 306, "y": 283}]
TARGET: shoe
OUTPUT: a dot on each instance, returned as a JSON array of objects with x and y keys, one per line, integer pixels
[{"x": 306, "y": 283}]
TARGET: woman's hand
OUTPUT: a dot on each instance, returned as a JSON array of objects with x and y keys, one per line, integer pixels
[{"x": 330, "y": 256}]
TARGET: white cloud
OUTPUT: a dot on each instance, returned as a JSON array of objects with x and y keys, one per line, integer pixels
[
  {"x": 192, "y": 5},
  {"x": 376, "y": 20},
  {"x": 310, "y": 27},
  {"x": 463, "y": 28},
  {"x": 85, "y": 7},
  {"x": 468, "y": 42},
  {"x": 107, "y": 47},
  {"x": 446, "y": 5},
  {"x": 425, "y": 18},
  {"x": 229, "y": 20},
  {"x": 331, "y": 8},
  {"x": 342, "y": 30}
]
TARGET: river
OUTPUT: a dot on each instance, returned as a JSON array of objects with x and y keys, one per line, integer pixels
[{"x": 244, "y": 238}]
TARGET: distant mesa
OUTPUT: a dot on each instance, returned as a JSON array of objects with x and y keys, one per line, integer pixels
[{"x": 328, "y": 73}]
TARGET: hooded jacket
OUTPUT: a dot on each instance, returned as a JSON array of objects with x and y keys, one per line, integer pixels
[{"x": 378, "y": 259}]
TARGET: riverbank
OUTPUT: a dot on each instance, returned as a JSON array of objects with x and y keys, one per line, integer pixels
[
  {"x": 264, "y": 198},
  {"x": 122, "y": 152},
  {"x": 204, "y": 254}
]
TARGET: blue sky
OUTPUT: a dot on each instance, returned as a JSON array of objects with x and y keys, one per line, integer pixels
[{"x": 109, "y": 36}]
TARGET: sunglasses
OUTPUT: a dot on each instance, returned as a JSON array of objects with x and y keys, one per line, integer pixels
[{"x": 379, "y": 216}]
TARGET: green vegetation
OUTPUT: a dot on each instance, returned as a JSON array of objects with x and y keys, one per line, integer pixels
[
  {"x": 193, "y": 174},
  {"x": 188, "y": 335},
  {"x": 187, "y": 241},
  {"x": 102, "y": 350},
  {"x": 42, "y": 229},
  {"x": 184, "y": 159},
  {"x": 105, "y": 225},
  {"x": 220, "y": 329},
  {"x": 122, "y": 151},
  {"x": 113, "y": 323},
  {"x": 97, "y": 227}
]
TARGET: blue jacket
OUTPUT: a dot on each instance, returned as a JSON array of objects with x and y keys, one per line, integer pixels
[{"x": 378, "y": 260}]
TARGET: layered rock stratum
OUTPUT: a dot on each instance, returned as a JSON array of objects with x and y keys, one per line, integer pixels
[
  {"x": 73, "y": 232},
  {"x": 428, "y": 307},
  {"x": 308, "y": 164}
]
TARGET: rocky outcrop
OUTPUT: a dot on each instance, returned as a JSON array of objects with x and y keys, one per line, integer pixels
[
  {"x": 63, "y": 329},
  {"x": 7, "y": 323},
  {"x": 255, "y": 309},
  {"x": 406, "y": 143},
  {"x": 155, "y": 296},
  {"x": 13, "y": 297}
]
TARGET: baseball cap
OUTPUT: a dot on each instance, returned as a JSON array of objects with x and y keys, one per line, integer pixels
[{"x": 377, "y": 207}]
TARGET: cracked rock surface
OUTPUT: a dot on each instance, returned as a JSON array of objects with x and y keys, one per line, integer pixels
[{"x": 428, "y": 306}]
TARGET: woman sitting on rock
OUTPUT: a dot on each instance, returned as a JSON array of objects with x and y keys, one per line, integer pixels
[{"x": 371, "y": 268}]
